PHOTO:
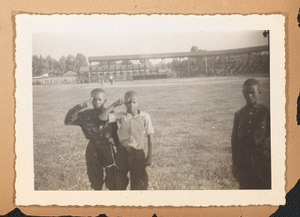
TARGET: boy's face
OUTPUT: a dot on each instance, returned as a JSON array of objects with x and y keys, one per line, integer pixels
[
  {"x": 251, "y": 94},
  {"x": 98, "y": 100},
  {"x": 131, "y": 104}
]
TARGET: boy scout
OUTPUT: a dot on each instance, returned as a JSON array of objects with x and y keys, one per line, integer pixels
[
  {"x": 251, "y": 141},
  {"x": 99, "y": 152},
  {"x": 134, "y": 125}
]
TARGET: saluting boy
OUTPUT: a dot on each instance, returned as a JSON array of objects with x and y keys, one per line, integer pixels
[
  {"x": 99, "y": 151},
  {"x": 133, "y": 126},
  {"x": 251, "y": 141}
]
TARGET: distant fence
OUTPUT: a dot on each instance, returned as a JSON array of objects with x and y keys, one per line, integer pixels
[
  {"x": 147, "y": 77},
  {"x": 55, "y": 80}
]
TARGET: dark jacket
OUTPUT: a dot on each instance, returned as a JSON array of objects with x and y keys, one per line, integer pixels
[{"x": 93, "y": 128}]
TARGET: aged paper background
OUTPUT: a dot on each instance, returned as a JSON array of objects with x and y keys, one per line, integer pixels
[{"x": 287, "y": 8}]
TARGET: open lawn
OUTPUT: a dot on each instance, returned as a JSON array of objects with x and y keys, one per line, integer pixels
[{"x": 192, "y": 117}]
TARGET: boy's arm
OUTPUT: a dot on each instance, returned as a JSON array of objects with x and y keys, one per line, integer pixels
[
  {"x": 149, "y": 157},
  {"x": 149, "y": 131},
  {"x": 72, "y": 115},
  {"x": 104, "y": 114},
  {"x": 267, "y": 141}
]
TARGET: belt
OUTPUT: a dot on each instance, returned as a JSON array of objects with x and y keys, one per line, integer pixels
[{"x": 99, "y": 142}]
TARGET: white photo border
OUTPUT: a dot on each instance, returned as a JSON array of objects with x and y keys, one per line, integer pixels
[{"x": 26, "y": 195}]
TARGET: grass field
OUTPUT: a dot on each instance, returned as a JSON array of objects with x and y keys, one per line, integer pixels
[{"x": 192, "y": 117}]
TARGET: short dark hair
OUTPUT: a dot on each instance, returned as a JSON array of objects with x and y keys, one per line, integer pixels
[
  {"x": 130, "y": 94},
  {"x": 97, "y": 90},
  {"x": 251, "y": 82}
]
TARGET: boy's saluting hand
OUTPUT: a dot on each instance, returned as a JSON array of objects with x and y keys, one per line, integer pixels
[
  {"x": 87, "y": 103},
  {"x": 118, "y": 102},
  {"x": 104, "y": 115}
]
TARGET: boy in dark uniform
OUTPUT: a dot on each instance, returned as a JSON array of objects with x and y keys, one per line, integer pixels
[
  {"x": 134, "y": 127},
  {"x": 251, "y": 141},
  {"x": 99, "y": 152}
]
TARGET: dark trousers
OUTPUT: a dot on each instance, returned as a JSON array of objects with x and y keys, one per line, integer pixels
[
  {"x": 253, "y": 183},
  {"x": 99, "y": 156},
  {"x": 255, "y": 177},
  {"x": 134, "y": 162}
]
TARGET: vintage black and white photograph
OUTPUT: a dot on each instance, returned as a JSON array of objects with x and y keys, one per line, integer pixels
[{"x": 134, "y": 105}]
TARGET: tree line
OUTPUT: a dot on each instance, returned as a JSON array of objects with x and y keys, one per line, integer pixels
[{"x": 41, "y": 65}]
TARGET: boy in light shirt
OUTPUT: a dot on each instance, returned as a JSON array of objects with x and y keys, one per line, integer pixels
[{"x": 133, "y": 126}]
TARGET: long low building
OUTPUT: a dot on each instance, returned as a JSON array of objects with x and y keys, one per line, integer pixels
[
  {"x": 55, "y": 80},
  {"x": 190, "y": 63}
]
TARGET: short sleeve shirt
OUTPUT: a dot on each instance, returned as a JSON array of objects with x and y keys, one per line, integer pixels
[{"x": 132, "y": 130}]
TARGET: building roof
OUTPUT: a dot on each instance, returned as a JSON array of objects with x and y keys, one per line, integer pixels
[
  {"x": 42, "y": 76},
  {"x": 177, "y": 55},
  {"x": 70, "y": 73}
]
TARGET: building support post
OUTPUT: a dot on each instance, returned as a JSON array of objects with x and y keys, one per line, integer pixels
[
  {"x": 127, "y": 70},
  {"x": 108, "y": 68},
  {"x": 139, "y": 68},
  {"x": 225, "y": 63},
  {"x": 188, "y": 63},
  {"x": 89, "y": 73},
  {"x": 97, "y": 71},
  {"x": 198, "y": 63},
  {"x": 162, "y": 65},
  {"x": 180, "y": 67},
  {"x": 206, "y": 71},
  {"x": 230, "y": 64},
  {"x": 145, "y": 69}
]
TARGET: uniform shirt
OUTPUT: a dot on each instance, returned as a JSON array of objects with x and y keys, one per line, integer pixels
[
  {"x": 250, "y": 138},
  {"x": 93, "y": 128},
  {"x": 132, "y": 129}
]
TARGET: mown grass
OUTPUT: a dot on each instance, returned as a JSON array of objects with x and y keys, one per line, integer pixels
[{"x": 192, "y": 117}]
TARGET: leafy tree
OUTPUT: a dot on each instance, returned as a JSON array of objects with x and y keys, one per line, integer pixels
[
  {"x": 146, "y": 61},
  {"x": 79, "y": 62},
  {"x": 195, "y": 61},
  {"x": 266, "y": 33},
  {"x": 124, "y": 62},
  {"x": 71, "y": 63},
  {"x": 42, "y": 65},
  {"x": 35, "y": 65},
  {"x": 63, "y": 65},
  {"x": 50, "y": 63},
  {"x": 194, "y": 49},
  {"x": 56, "y": 68}
]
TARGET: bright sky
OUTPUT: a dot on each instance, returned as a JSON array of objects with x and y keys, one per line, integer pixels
[{"x": 120, "y": 35}]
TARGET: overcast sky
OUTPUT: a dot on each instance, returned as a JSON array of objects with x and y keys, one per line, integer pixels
[{"x": 120, "y": 35}]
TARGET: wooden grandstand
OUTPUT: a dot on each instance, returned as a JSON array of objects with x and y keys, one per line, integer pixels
[{"x": 190, "y": 64}]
